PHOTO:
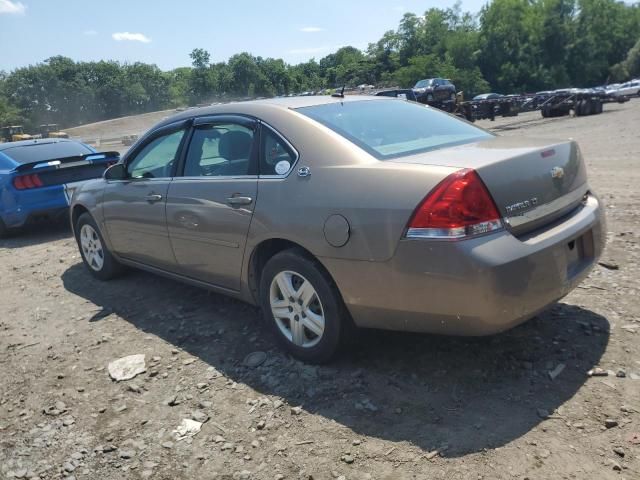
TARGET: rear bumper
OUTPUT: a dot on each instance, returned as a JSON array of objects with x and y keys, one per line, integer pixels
[
  {"x": 20, "y": 207},
  {"x": 473, "y": 287}
]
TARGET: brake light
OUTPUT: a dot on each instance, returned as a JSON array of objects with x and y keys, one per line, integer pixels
[
  {"x": 460, "y": 206},
  {"x": 26, "y": 182}
]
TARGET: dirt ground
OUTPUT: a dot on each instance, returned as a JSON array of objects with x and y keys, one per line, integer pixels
[
  {"x": 118, "y": 127},
  {"x": 397, "y": 406}
]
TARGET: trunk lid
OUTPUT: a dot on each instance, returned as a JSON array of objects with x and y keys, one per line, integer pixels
[
  {"x": 70, "y": 169},
  {"x": 532, "y": 181}
]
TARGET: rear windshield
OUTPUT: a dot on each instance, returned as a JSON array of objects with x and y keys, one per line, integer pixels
[
  {"x": 394, "y": 128},
  {"x": 42, "y": 152}
]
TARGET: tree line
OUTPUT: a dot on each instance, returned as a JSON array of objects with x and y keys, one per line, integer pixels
[{"x": 510, "y": 46}]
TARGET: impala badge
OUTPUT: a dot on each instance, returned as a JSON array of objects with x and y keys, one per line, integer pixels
[
  {"x": 523, "y": 205},
  {"x": 557, "y": 172}
]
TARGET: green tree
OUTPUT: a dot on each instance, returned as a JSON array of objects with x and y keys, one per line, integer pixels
[{"x": 629, "y": 67}]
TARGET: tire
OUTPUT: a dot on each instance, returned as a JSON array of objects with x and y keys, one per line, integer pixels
[
  {"x": 95, "y": 255},
  {"x": 579, "y": 109},
  {"x": 320, "y": 328},
  {"x": 596, "y": 107},
  {"x": 545, "y": 111},
  {"x": 429, "y": 97},
  {"x": 452, "y": 96}
]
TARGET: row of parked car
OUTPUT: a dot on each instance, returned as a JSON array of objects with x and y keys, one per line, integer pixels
[{"x": 628, "y": 89}]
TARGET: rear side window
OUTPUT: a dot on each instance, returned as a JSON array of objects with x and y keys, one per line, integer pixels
[
  {"x": 43, "y": 152},
  {"x": 391, "y": 129},
  {"x": 276, "y": 157}
]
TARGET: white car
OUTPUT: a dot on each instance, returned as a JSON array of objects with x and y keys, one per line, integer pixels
[{"x": 627, "y": 89}]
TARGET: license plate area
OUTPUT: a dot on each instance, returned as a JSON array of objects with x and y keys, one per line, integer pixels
[{"x": 579, "y": 253}]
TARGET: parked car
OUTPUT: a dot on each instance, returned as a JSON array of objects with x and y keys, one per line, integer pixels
[
  {"x": 488, "y": 96},
  {"x": 434, "y": 89},
  {"x": 38, "y": 177},
  {"x": 403, "y": 93},
  {"x": 628, "y": 89},
  {"x": 363, "y": 210}
]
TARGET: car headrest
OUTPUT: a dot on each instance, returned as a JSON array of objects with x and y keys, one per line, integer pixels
[{"x": 235, "y": 145}]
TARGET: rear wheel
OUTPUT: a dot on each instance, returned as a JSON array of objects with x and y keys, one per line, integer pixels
[
  {"x": 302, "y": 307},
  {"x": 97, "y": 258}
]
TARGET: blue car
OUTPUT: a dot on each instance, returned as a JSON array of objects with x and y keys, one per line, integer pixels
[{"x": 38, "y": 177}]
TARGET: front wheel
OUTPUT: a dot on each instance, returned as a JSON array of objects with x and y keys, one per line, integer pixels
[
  {"x": 95, "y": 255},
  {"x": 302, "y": 306}
]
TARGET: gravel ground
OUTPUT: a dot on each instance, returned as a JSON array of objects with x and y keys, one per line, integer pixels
[{"x": 397, "y": 406}]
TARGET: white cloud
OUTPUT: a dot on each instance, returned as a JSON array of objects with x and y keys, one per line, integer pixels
[
  {"x": 7, "y": 6},
  {"x": 132, "y": 37},
  {"x": 311, "y": 29},
  {"x": 89, "y": 32}
]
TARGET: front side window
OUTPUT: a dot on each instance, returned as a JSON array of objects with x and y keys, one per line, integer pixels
[
  {"x": 157, "y": 158},
  {"x": 276, "y": 157},
  {"x": 219, "y": 150},
  {"x": 390, "y": 129}
]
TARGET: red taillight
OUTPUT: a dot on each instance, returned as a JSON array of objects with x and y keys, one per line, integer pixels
[
  {"x": 17, "y": 182},
  {"x": 459, "y": 206},
  {"x": 27, "y": 181},
  {"x": 36, "y": 180}
]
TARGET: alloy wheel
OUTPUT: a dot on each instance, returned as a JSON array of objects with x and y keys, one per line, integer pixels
[
  {"x": 92, "y": 247},
  {"x": 297, "y": 309}
]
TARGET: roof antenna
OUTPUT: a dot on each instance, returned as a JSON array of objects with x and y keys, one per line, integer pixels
[{"x": 339, "y": 95}]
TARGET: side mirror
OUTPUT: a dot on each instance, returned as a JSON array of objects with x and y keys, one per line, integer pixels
[{"x": 116, "y": 172}]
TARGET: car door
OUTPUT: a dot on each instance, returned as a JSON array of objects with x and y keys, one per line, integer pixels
[
  {"x": 209, "y": 207},
  {"x": 134, "y": 208}
]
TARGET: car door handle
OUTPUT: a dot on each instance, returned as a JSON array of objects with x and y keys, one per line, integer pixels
[
  {"x": 239, "y": 200},
  {"x": 153, "y": 197}
]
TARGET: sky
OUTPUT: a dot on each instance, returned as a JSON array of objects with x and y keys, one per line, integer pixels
[{"x": 163, "y": 32}]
